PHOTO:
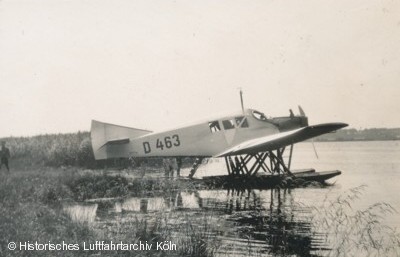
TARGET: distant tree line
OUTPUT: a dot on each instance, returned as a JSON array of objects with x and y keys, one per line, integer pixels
[{"x": 373, "y": 134}]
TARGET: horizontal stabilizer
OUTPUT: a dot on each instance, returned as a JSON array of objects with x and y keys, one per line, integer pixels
[
  {"x": 276, "y": 141},
  {"x": 112, "y": 141},
  {"x": 116, "y": 142}
]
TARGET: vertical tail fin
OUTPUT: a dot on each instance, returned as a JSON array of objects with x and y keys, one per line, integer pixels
[{"x": 112, "y": 141}]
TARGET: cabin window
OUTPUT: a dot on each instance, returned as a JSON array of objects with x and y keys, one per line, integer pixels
[
  {"x": 259, "y": 115},
  {"x": 214, "y": 126},
  {"x": 228, "y": 124},
  {"x": 241, "y": 122}
]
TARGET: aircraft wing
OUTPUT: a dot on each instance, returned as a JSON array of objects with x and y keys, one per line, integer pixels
[{"x": 280, "y": 140}]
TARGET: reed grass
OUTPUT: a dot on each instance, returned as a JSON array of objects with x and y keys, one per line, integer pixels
[
  {"x": 356, "y": 232},
  {"x": 29, "y": 212},
  {"x": 54, "y": 150},
  {"x": 191, "y": 237}
]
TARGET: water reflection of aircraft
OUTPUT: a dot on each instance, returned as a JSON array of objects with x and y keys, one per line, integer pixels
[
  {"x": 259, "y": 221},
  {"x": 248, "y": 140}
]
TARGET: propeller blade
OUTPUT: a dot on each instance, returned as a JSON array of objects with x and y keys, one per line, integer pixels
[{"x": 302, "y": 113}]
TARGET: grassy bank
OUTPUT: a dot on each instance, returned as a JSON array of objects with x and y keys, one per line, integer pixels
[{"x": 31, "y": 210}]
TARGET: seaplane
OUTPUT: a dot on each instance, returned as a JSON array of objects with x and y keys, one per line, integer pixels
[{"x": 248, "y": 140}]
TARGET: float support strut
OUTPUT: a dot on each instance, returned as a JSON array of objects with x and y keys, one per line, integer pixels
[
  {"x": 239, "y": 165},
  {"x": 195, "y": 165}
]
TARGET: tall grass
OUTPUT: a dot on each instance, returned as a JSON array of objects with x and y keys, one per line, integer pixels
[
  {"x": 55, "y": 150},
  {"x": 356, "y": 232},
  {"x": 29, "y": 211},
  {"x": 191, "y": 237}
]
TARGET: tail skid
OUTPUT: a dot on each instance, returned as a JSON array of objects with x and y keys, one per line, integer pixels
[{"x": 112, "y": 141}]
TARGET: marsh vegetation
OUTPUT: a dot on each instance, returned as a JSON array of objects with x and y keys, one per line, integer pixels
[{"x": 201, "y": 222}]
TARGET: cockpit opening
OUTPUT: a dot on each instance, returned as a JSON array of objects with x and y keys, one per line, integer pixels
[{"x": 259, "y": 116}]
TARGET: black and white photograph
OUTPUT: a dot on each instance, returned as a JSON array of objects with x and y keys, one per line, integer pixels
[{"x": 199, "y": 128}]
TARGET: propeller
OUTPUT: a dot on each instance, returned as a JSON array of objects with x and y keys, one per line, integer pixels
[{"x": 303, "y": 114}]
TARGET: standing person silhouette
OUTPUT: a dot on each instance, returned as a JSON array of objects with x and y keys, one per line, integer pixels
[{"x": 4, "y": 155}]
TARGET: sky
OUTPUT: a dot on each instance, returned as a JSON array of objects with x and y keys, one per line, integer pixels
[{"x": 154, "y": 64}]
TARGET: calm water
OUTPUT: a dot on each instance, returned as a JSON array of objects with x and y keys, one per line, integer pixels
[{"x": 269, "y": 222}]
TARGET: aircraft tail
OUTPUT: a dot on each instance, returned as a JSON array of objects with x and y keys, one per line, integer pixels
[{"x": 112, "y": 141}]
